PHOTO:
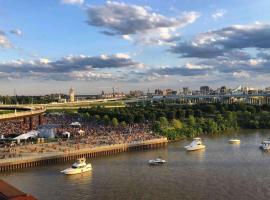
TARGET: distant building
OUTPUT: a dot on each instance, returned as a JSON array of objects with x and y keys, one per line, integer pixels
[
  {"x": 61, "y": 100},
  {"x": 170, "y": 92},
  {"x": 167, "y": 92},
  {"x": 204, "y": 90},
  {"x": 71, "y": 95},
  {"x": 159, "y": 92},
  {"x": 186, "y": 91},
  {"x": 136, "y": 93},
  {"x": 149, "y": 94},
  {"x": 267, "y": 90},
  {"x": 112, "y": 95},
  {"x": 223, "y": 90}
]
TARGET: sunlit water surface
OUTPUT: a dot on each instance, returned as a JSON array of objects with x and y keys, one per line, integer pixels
[{"x": 221, "y": 171}]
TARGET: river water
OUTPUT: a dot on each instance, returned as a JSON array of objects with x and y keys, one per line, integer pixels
[{"x": 221, "y": 171}]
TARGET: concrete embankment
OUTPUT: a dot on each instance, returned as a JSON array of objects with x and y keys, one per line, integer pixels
[{"x": 60, "y": 157}]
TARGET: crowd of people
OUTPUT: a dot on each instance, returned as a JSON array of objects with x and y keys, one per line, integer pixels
[
  {"x": 95, "y": 133},
  {"x": 16, "y": 126},
  {"x": 84, "y": 133}
]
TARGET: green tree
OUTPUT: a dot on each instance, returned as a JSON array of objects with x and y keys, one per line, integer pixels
[
  {"x": 176, "y": 124},
  {"x": 123, "y": 124},
  {"x": 115, "y": 122},
  {"x": 191, "y": 120},
  {"x": 106, "y": 119},
  {"x": 163, "y": 122}
]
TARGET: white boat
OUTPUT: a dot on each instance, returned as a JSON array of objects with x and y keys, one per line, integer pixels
[
  {"x": 234, "y": 141},
  {"x": 78, "y": 167},
  {"x": 157, "y": 161},
  {"x": 265, "y": 144},
  {"x": 196, "y": 144}
]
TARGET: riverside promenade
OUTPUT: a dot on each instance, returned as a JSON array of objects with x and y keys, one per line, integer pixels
[{"x": 32, "y": 160}]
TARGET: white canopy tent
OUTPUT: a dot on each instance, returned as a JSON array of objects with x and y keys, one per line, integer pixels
[
  {"x": 75, "y": 124},
  {"x": 25, "y": 136},
  {"x": 66, "y": 134}
]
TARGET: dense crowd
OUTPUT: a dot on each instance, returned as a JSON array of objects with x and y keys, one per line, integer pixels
[
  {"x": 87, "y": 133},
  {"x": 95, "y": 133},
  {"x": 16, "y": 126}
]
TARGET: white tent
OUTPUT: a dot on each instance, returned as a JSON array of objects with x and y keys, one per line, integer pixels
[
  {"x": 81, "y": 132},
  {"x": 25, "y": 136},
  {"x": 66, "y": 134},
  {"x": 75, "y": 124}
]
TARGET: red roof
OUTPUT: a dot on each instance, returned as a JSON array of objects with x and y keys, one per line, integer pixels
[{"x": 9, "y": 192}]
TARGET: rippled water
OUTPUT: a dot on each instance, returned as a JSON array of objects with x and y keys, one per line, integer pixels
[{"x": 222, "y": 171}]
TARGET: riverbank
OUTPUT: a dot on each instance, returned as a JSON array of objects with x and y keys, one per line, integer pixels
[{"x": 47, "y": 158}]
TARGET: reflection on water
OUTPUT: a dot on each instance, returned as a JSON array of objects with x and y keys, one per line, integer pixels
[
  {"x": 198, "y": 155},
  {"x": 80, "y": 178},
  {"x": 221, "y": 171}
]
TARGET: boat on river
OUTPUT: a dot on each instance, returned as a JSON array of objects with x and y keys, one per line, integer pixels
[
  {"x": 80, "y": 166},
  {"x": 196, "y": 144},
  {"x": 265, "y": 145},
  {"x": 234, "y": 141},
  {"x": 156, "y": 161}
]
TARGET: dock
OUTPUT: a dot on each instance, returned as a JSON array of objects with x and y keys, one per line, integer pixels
[{"x": 11, "y": 164}]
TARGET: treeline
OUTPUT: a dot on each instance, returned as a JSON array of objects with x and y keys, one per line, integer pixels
[
  {"x": 176, "y": 121},
  {"x": 26, "y": 99}
]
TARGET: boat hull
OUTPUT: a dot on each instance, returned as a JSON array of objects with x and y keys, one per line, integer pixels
[
  {"x": 191, "y": 148},
  {"x": 266, "y": 148},
  {"x": 71, "y": 171},
  {"x": 234, "y": 141}
]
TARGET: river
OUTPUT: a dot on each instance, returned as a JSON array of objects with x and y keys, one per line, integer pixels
[{"x": 221, "y": 171}]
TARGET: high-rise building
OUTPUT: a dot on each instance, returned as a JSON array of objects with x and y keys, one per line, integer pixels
[
  {"x": 205, "y": 89},
  {"x": 223, "y": 90},
  {"x": 136, "y": 93},
  {"x": 186, "y": 91},
  {"x": 71, "y": 95}
]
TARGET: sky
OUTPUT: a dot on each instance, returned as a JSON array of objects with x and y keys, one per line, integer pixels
[{"x": 94, "y": 45}]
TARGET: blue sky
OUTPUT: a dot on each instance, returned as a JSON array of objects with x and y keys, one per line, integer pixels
[{"x": 48, "y": 46}]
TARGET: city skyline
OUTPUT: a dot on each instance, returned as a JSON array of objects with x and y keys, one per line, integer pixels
[{"x": 47, "y": 47}]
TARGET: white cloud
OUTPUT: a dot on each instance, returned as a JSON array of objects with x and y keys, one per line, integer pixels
[
  {"x": 241, "y": 74},
  {"x": 73, "y": 2},
  {"x": 4, "y": 42},
  {"x": 16, "y": 32},
  {"x": 79, "y": 67},
  {"x": 226, "y": 40},
  {"x": 218, "y": 14},
  {"x": 137, "y": 23}
]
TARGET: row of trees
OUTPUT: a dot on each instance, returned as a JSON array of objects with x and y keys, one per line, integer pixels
[
  {"x": 26, "y": 99},
  {"x": 192, "y": 127}
]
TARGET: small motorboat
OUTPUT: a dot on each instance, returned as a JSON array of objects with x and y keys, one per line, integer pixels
[
  {"x": 234, "y": 141},
  {"x": 196, "y": 144},
  {"x": 265, "y": 145},
  {"x": 78, "y": 167},
  {"x": 157, "y": 161}
]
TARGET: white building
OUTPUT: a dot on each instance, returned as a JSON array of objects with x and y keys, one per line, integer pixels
[{"x": 71, "y": 95}]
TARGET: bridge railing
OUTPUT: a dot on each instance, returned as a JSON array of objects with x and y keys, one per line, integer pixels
[{"x": 32, "y": 111}]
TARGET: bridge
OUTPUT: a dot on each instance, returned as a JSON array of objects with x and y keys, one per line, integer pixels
[{"x": 27, "y": 113}]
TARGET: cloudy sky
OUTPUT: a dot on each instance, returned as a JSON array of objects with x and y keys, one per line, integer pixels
[{"x": 93, "y": 45}]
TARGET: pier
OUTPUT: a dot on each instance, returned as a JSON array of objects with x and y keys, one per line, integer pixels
[{"x": 11, "y": 164}]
